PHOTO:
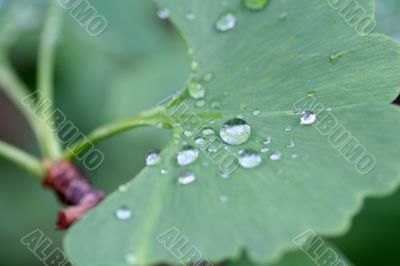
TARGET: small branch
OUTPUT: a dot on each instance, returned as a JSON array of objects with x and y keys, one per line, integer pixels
[
  {"x": 46, "y": 62},
  {"x": 22, "y": 159},
  {"x": 152, "y": 117}
]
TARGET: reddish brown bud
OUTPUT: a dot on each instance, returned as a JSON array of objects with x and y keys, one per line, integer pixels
[{"x": 73, "y": 189}]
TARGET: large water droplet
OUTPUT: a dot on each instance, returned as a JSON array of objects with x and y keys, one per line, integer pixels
[
  {"x": 153, "y": 158},
  {"x": 123, "y": 213},
  {"x": 196, "y": 90},
  {"x": 275, "y": 156},
  {"x": 255, "y": 4},
  {"x": 163, "y": 13},
  {"x": 187, "y": 155},
  {"x": 235, "y": 131},
  {"x": 249, "y": 159},
  {"x": 226, "y": 22},
  {"x": 308, "y": 118},
  {"x": 187, "y": 178}
]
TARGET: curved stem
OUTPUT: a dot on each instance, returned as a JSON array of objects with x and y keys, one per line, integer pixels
[
  {"x": 152, "y": 117},
  {"x": 22, "y": 159},
  {"x": 16, "y": 91},
  {"x": 46, "y": 62}
]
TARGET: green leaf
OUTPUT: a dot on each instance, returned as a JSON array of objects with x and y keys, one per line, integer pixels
[{"x": 267, "y": 62}]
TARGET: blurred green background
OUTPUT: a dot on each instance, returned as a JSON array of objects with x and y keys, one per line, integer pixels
[{"x": 138, "y": 61}]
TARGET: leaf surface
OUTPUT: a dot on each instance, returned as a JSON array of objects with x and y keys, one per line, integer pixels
[{"x": 270, "y": 60}]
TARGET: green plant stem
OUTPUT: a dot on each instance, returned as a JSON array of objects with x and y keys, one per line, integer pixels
[
  {"x": 16, "y": 90},
  {"x": 153, "y": 117},
  {"x": 46, "y": 62},
  {"x": 22, "y": 159}
]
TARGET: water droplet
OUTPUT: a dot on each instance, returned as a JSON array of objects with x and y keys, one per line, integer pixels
[
  {"x": 264, "y": 150},
  {"x": 235, "y": 131},
  {"x": 223, "y": 198},
  {"x": 123, "y": 188},
  {"x": 163, "y": 171},
  {"x": 310, "y": 94},
  {"x": 291, "y": 144},
  {"x": 308, "y": 118},
  {"x": 294, "y": 156},
  {"x": 288, "y": 129},
  {"x": 226, "y": 22},
  {"x": 282, "y": 16},
  {"x": 212, "y": 149},
  {"x": 224, "y": 174},
  {"x": 123, "y": 213},
  {"x": 216, "y": 105},
  {"x": 187, "y": 178},
  {"x": 163, "y": 13},
  {"x": 195, "y": 66},
  {"x": 208, "y": 76},
  {"x": 201, "y": 103},
  {"x": 275, "y": 156},
  {"x": 187, "y": 155},
  {"x": 256, "y": 112},
  {"x": 153, "y": 158},
  {"x": 249, "y": 159},
  {"x": 190, "y": 16},
  {"x": 200, "y": 141},
  {"x": 196, "y": 90},
  {"x": 130, "y": 258},
  {"x": 329, "y": 109},
  {"x": 255, "y": 5},
  {"x": 188, "y": 133},
  {"x": 208, "y": 131},
  {"x": 267, "y": 141}
]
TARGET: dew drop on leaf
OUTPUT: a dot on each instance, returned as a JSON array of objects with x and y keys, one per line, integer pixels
[
  {"x": 190, "y": 16},
  {"x": 226, "y": 22},
  {"x": 187, "y": 155},
  {"x": 123, "y": 213},
  {"x": 275, "y": 156},
  {"x": 267, "y": 141},
  {"x": 163, "y": 13},
  {"x": 153, "y": 158},
  {"x": 291, "y": 144},
  {"x": 187, "y": 178},
  {"x": 208, "y": 76},
  {"x": 195, "y": 66},
  {"x": 208, "y": 131},
  {"x": 123, "y": 188},
  {"x": 201, "y": 103},
  {"x": 256, "y": 112},
  {"x": 294, "y": 156},
  {"x": 308, "y": 118},
  {"x": 223, "y": 198},
  {"x": 264, "y": 150},
  {"x": 196, "y": 90},
  {"x": 235, "y": 131},
  {"x": 255, "y": 4},
  {"x": 163, "y": 171},
  {"x": 249, "y": 159},
  {"x": 130, "y": 258},
  {"x": 200, "y": 141}
]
